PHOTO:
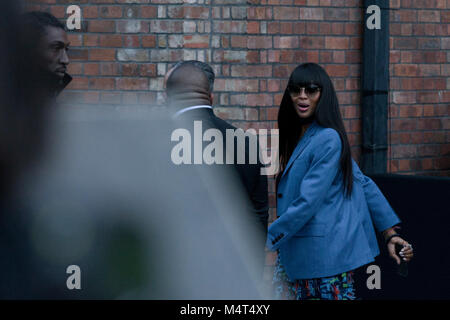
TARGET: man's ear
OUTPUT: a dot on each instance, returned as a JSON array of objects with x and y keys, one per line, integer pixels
[{"x": 211, "y": 98}]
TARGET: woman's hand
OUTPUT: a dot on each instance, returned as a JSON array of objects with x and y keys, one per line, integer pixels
[{"x": 406, "y": 253}]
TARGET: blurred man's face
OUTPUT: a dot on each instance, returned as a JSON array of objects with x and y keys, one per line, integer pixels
[{"x": 53, "y": 49}]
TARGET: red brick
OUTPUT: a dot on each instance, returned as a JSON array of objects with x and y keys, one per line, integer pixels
[
  {"x": 75, "y": 39},
  {"x": 102, "y": 54},
  {"x": 196, "y": 41},
  {"x": 287, "y": 56},
  {"x": 407, "y": 70},
  {"x": 101, "y": 83},
  {"x": 434, "y": 137},
  {"x": 251, "y": 71},
  {"x": 442, "y": 163},
  {"x": 130, "y": 69},
  {"x": 272, "y": 113},
  {"x": 311, "y": 56},
  {"x": 405, "y": 15},
  {"x": 338, "y": 56},
  {"x": 258, "y": 13},
  {"x": 101, "y": 26},
  {"x": 253, "y": 27},
  {"x": 404, "y": 165},
  {"x": 111, "y": 12},
  {"x": 400, "y": 138},
  {"x": 429, "y": 124},
  {"x": 404, "y": 97},
  {"x": 429, "y": 70},
  {"x": 75, "y": 68},
  {"x": 274, "y": 28},
  {"x": 78, "y": 54},
  {"x": 429, "y": 16},
  {"x": 89, "y": 12},
  {"x": 337, "y": 70},
  {"x": 411, "y": 111},
  {"x": 312, "y": 42},
  {"x": 259, "y": 100},
  {"x": 111, "y": 40},
  {"x": 255, "y": 56},
  {"x": 196, "y": 12},
  {"x": 239, "y": 41},
  {"x": 428, "y": 97},
  {"x": 311, "y": 13},
  {"x": 282, "y": 71},
  {"x": 131, "y": 41},
  {"x": 90, "y": 40},
  {"x": 259, "y": 42},
  {"x": 132, "y": 26},
  {"x": 149, "y": 12},
  {"x": 91, "y": 69},
  {"x": 148, "y": 41},
  {"x": 404, "y": 151},
  {"x": 428, "y": 150},
  {"x": 251, "y": 114},
  {"x": 147, "y": 70},
  {"x": 286, "y": 42},
  {"x": 109, "y": 69},
  {"x": 312, "y": 28},
  {"x": 225, "y": 26},
  {"x": 132, "y": 84},
  {"x": 286, "y": 13},
  {"x": 405, "y": 43},
  {"x": 393, "y": 168},
  {"x": 403, "y": 124}
]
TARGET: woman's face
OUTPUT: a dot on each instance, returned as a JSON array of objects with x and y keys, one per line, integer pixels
[{"x": 304, "y": 99}]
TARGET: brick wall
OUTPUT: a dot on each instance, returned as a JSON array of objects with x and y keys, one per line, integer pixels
[
  {"x": 125, "y": 47},
  {"x": 420, "y": 87}
]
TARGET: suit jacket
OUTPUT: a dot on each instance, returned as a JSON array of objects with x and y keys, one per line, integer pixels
[
  {"x": 249, "y": 175},
  {"x": 320, "y": 232}
]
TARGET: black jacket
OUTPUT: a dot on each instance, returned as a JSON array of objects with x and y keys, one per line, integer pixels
[{"x": 249, "y": 174}]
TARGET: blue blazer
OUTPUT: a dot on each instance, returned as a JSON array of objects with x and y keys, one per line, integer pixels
[{"x": 319, "y": 232}]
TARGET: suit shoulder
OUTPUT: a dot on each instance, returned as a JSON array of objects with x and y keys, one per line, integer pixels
[{"x": 223, "y": 124}]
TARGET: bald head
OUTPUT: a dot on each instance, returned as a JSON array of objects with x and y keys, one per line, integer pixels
[{"x": 188, "y": 85}]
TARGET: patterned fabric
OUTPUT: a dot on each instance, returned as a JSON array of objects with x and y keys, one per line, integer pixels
[{"x": 339, "y": 287}]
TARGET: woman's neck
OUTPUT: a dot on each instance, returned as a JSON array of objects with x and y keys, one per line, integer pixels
[{"x": 304, "y": 127}]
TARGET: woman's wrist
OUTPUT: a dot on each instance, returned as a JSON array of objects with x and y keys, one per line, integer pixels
[
  {"x": 388, "y": 233},
  {"x": 389, "y": 238}
]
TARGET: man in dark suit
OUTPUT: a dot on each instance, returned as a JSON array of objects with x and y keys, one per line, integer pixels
[{"x": 189, "y": 86}]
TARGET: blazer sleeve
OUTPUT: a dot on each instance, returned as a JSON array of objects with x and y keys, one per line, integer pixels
[
  {"x": 313, "y": 189},
  {"x": 381, "y": 213}
]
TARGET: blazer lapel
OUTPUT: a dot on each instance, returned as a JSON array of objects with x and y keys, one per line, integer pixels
[{"x": 301, "y": 145}]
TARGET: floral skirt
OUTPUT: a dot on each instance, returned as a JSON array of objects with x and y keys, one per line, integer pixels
[{"x": 339, "y": 287}]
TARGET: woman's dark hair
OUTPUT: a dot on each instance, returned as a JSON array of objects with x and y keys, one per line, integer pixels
[{"x": 327, "y": 115}]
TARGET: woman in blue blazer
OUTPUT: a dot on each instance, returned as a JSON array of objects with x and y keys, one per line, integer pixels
[{"x": 326, "y": 207}]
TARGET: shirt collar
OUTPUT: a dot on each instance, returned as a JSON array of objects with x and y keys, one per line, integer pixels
[{"x": 190, "y": 108}]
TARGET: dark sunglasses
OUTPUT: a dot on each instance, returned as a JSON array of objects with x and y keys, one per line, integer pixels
[{"x": 310, "y": 89}]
